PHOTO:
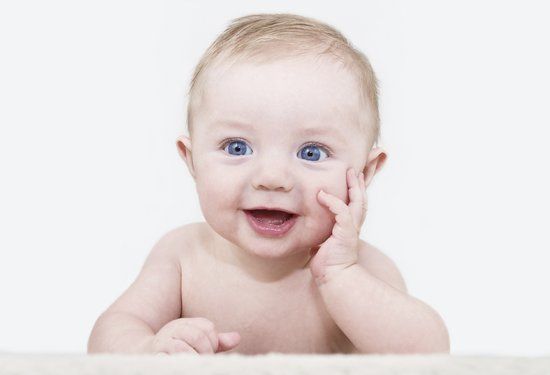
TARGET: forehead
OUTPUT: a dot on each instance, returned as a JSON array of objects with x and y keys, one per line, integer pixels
[{"x": 309, "y": 93}]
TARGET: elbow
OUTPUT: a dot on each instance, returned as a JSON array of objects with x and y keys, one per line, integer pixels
[
  {"x": 91, "y": 346},
  {"x": 431, "y": 337},
  {"x": 437, "y": 339},
  {"x": 444, "y": 345},
  {"x": 440, "y": 344},
  {"x": 443, "y": 342},
  {"x": 94, "y": 344}
]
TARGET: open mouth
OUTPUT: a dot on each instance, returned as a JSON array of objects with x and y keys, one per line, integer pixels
[
  {"x": 272, "y": 223},
  {"x": 272, "y": 217}
]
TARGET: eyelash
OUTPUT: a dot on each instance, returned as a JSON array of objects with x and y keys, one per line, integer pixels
[
  {"x": 225, "y": 142},
  {"x": 328, "y": 150}
]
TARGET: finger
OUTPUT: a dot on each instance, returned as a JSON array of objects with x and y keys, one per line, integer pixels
[
  {"x": 228, "y": 340},
  {"x": 355, "y": 197},
  {"x": 196, "y": 337},
  {"x": 180, "y": 346},
  {"x": 208, "y": 327},
  {"x": 364, "y": 197},
  {"x": 340, "y": 209}
]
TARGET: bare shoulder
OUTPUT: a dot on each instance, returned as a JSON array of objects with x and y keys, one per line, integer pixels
[
  {"x": 155, "y": 295},
  {"x": 171, "y": 246},
  {"x": 181, "y": 241},
  {"x": 380, "y": 265}
]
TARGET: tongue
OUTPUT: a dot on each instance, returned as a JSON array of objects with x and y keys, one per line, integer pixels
[{"x": 270, "y": 217}]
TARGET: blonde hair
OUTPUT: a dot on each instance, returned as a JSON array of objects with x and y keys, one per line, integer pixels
[{"x": 268, "y": 36}]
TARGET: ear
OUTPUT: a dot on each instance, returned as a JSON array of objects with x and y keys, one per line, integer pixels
[
  {"x": 375, "y": 162},
  {"x": 184, "y": 149}
]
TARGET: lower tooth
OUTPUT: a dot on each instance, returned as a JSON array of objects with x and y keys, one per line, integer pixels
[{"x": 271, "y": 221}]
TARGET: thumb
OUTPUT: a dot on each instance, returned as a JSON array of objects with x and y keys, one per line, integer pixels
[{"x": 227, "y": 341}]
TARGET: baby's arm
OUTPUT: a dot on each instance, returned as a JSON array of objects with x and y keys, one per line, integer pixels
[
  {"x": 147, "y": 317},
  {"x": 370, "y": 304},
  {"x": 154, "y": 299}
]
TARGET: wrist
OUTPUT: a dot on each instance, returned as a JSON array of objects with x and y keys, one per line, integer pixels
[{"x": 332, "y": 273}]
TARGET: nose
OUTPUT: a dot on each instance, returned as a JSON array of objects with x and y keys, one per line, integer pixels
[{"x": 272, "y": 175}]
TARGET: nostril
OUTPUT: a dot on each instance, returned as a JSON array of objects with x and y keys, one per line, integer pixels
[{"x": 270, "y": 181}]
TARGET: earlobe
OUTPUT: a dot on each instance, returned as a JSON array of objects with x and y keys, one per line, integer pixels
[
  {"x": 183, "y": 144},
  {"x": 375, "y": 161}
]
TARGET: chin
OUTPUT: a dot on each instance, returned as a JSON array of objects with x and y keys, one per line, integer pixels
[
  {"x": 266, "y": 250},
  {"x": 263, "y": 247}
]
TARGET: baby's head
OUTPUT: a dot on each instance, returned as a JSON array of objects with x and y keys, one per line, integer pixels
[{"x": 280, "y": 106}]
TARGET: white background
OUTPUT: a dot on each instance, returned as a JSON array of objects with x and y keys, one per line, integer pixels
[{"x": 92, "y": 98}]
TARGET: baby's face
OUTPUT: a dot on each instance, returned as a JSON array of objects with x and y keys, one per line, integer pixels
[{"x": 273, "y": 135}]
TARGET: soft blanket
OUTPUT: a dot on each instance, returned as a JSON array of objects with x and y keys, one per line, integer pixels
[{"x": 272, "y": 363}]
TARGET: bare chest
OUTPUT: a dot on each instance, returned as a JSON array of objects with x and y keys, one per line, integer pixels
[{"x": 285, "y": 317}]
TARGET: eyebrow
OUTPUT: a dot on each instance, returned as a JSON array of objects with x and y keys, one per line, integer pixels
[
  {"x": 323, "y": 130},
  {"x": 309, "y": 131},
  {"x": 233, "y": 124}
]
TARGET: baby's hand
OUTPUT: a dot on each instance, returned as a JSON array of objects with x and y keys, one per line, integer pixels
[
  {"x": 193, "y": 335},
  {"x": 340, "y": 250}
]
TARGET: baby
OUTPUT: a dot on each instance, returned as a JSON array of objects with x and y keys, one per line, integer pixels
[{"x": 282, "y": 121}]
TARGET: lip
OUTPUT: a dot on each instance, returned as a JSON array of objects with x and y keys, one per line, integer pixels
[
  {"x": 271, "y": 209},
  {"x": 267, "y": 230}
]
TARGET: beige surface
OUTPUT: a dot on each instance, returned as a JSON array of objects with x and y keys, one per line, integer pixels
[{"x": 272, "y": 363}]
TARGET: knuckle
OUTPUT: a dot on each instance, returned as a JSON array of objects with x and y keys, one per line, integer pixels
[
  {"x": 201, "y": 343},
  {"x": 208, "y": 324},
  {"x": 177, "y": 345},
  {"x": 195, "y": 336},
  {"x": 161, "y": 346},
  {"x": 202, "y": 323},
  {"x": 344, "y": 219}
]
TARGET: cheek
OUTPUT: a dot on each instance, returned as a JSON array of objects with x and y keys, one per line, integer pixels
[
  {"x": 217, "y": 201},
  {"x": 213, "y": 191},
  {"x": 335, "y": 184},
  {"x": 217, "y": 182}
]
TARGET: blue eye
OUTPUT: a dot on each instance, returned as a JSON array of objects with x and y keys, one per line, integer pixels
[
  {"x": 312, "y": 153},
  {"x": 237, "y": 148}
]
